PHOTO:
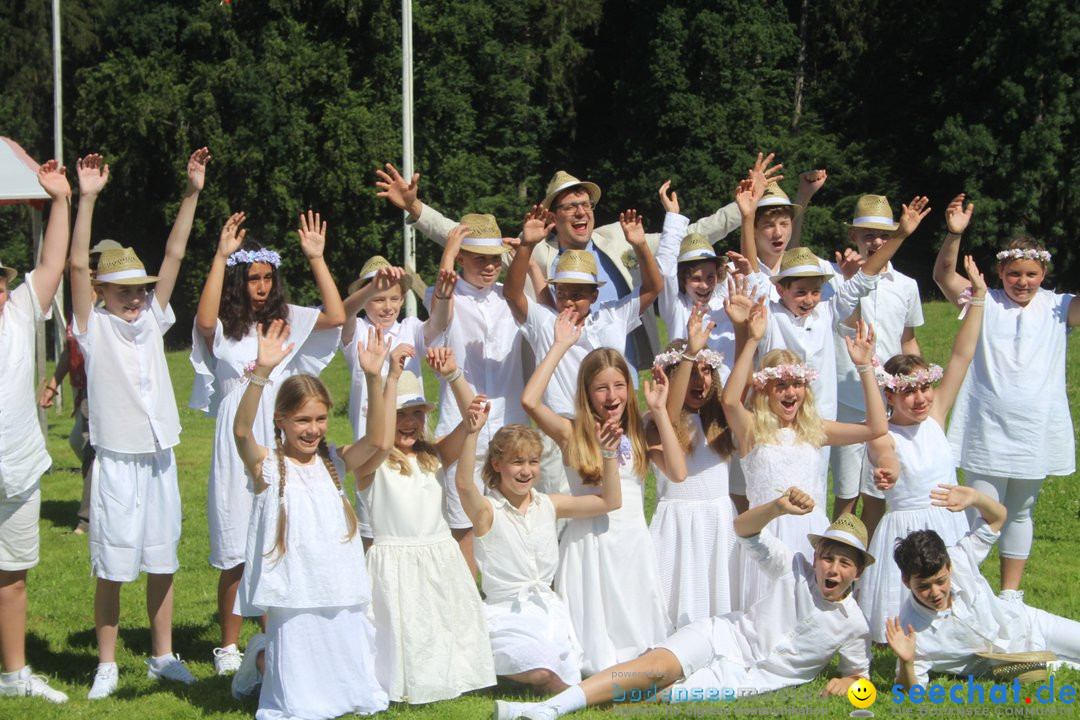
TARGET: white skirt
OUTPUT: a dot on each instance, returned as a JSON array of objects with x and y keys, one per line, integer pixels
[
  {"x": 534, "y": 634},
  {"x": 319, "y": 663}
]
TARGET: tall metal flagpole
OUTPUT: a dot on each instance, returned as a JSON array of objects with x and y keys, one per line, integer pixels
[{"x": 407, "y": 137}]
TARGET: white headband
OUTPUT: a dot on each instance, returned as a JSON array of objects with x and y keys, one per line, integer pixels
[
  {"x": 121, "y": 275},
  {"x": 880, "y": 219},
  {"x": 574, "y": 275}
]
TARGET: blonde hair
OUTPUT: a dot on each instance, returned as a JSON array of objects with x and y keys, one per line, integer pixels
[
  {"x": 510, "y": 440},
  {"x": 713, "y": 421},
  {"x": 582, "y": 452},
  {"x": 427, "y": 455},
  {"x": 294, "y": 393},
  {"x": 808, "y": 425}
]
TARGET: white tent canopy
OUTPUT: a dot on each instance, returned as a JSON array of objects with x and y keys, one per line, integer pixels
[{"x": 18, "y": 176}]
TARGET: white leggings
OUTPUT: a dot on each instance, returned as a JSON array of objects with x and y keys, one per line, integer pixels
[
  {"x": 1018, "y": 497},
  {"x": 1060, "y": 635}
]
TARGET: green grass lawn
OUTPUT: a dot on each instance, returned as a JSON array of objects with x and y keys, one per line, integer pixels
[{"x": 61, "y": 627}]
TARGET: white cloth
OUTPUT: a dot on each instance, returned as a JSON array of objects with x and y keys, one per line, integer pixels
[
  {"x": 321, "y": 567},
  {"x": 607, "y": 325},
  {"x": 784, "y": 639},
  {"x": 19, "y": 532},
  {"x": 694, "y": 537},
  {"x": 770, "y": 470},
  {"x": 319, "y": 663},
  {"x": 600, "y": 558},
  {"x": 432, "y": 640},
  {"x": 132, "y": 406},
  {"x": 925, "y": 462},
  {"x": 220, "y": 381},
  {"x": 23, "y": 458},
  {"x": 528, "y": 623},
  {"x": 1011, "y": 418},
  {"x": 978, "y": 621},
  {"x": 409, "y": 331}
]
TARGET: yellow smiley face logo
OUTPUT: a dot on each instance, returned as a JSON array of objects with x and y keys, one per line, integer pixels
[{"x": 862, "y": 693}]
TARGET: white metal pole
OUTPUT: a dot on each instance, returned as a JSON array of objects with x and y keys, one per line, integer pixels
[{"x": 407, "y": 136}]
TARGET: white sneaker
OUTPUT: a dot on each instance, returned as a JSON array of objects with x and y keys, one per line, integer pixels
[
  {"x": 248, "y": 678},
  {"x": 105, "y": 680},
  {"x": 506, "y": 710},
  {"x": 540, "y": 712},
  {"x": 1016, "y": 596},
  {"x": 30, "y": 685},
  {"x": 227, "y": 659},
  {"x": 172, "y": 669}
]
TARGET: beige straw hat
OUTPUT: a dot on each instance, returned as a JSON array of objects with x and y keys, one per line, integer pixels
[
  {"x": 122, "y": 267},
  {"x": 563, "y": 180},
  {"x": 1027, "y": 667},
  {"x": 104, "y": 245},
  {"x": 800, "y": 262},
  {"x": 484, "y": 237},
  {"x": 776, "y": 197},
  {"x": 696, "y": 246},
  {"x": 576, "y": 267},
  {"x": 849, "y": 530},
  {"x": 371, "y": 269},
  {"x": 873, "y": 212},
  {"x": 410, "y": 393}
]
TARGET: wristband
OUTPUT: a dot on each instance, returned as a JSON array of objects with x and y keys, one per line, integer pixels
[
  {"x": 608, "y": 454},
  {"x": 690, "y": 358},
  {"x": 441, "y": 297},
  {"x": 864, "y": 368},
  {"x": 977, "y": 301},
  {"x": 260, "y": 381},
  {"x": 451, "y": 377}
]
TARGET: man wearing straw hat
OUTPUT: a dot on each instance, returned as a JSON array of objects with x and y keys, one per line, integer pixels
[{"x": 23, "y": 457}]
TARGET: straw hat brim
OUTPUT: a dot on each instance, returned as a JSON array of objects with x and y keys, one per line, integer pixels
[
  {"x": 803, "y": 274},
  {"x": 1030, "y": 656},
  {"x": 873, "y": 226},
  {"x": 144, "y": 280},
  {"x": 868, "y": 559},
  {"x": 591, "y": 188},
  {"x": 9, "y": 272},
  {"x": 575, "y": 281}
]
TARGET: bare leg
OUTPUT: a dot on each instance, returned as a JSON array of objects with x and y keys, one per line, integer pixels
[
  {"x": 1012, "y": 572},
  {"x": 464, "y": 537},
  {"x": 159, "y": 609},
  {"x": 541, "y": 679},
  {"x": 228, "y": 585},
  {"x": 12, "y": 620},
  {"x": 657, "y": 667},
  {"x": 843, "y": 505},
  {"x": 106, "y": 618},
  {"x": 873, "y": 509},
  {"x": 260, "y": 662}
]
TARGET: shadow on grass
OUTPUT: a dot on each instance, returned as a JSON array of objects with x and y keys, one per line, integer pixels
[{"x": 62, "y": 513}]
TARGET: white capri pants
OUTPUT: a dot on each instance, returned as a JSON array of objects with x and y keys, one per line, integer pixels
[{"x": 1018, "y": 496}]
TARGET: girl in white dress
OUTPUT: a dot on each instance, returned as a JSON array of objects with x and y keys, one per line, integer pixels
[
  {"x": 517, "y": 548},
  {"x": 778, "y": 437},
  {"x": 607, "y": 573},
  {"x": 914, "y": 458},
  {"x": 432, "y": 640},
  {"x": 1011, "y": 427},
  {"x": 242, "y": 289},
  {"x": 692, "y": 528},
  {"x": 304, "y": 565}
]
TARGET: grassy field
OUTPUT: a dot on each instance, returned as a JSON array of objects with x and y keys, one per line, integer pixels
[{"x": 61, "y": 629}]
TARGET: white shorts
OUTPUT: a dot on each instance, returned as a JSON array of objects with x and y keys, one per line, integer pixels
[
  {"x": 134, "y": 515},
  {"x": 709, "y": 656},
  {"x": 19, "y": 516}
]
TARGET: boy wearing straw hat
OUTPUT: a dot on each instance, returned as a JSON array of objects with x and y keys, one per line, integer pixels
[
  {"x": 784, "y": 639},
  {"x": 23, "y": 457},
  {"x": 134, "y": 424}
]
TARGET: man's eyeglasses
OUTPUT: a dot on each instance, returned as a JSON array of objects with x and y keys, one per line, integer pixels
[{"x": 583, "y": 205}]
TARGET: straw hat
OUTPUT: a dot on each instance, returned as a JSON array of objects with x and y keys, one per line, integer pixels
[
  {"x": 1025, "y": 666},
  {"x": 873, "y": 212},
  {"x": 563, "y": 180},
  {"x": 696, "y": 246},
  {"x": 484, "y": 237},
  {"x": 410, "y": 393},
  {"x": 776, "y": 197},
  {"x": 104, "y": 245},
  {"x": 800, "y": 262},
  {"x": 576, "y": 267},
  {"x": 9, "y": 272},
  {"x": 122, "y": 267},
  {"x": 371, "y": 268},
  {"x": 850, "y": 531}
]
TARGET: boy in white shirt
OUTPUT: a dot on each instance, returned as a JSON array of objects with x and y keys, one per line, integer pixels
[
  {"x": 23, "y": 458},
  {"x": 952, "y": 615},
  {"x": 784, "y": 639},
  {"x": 134, "y": 424}
]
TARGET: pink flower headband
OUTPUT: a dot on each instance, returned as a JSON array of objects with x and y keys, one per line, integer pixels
[
  {"x": 899, "y": 383},
  {"x": 784, "y": 372},
  {"x": 1018, "y": 254},
  {"x": 712, "y": 358}
]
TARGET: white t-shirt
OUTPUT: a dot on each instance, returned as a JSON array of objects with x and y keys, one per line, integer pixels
[{"x": 409, "y": 331}]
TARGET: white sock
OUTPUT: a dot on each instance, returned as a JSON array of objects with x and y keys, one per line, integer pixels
[
  {"x": 569, "y": 700},
  {"x": 231, "y": 648},
  {"x": 9, "y": 678},
  {"x": 161, "y": 660}
]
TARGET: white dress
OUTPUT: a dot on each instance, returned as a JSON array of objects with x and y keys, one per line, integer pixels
[
  {"x": 432, "y": 639},
  {"x": 694, "y": 536},
  {"x": 925, "y": 461},
  {"x": 528, "y": 623},
  {"x": 219, "y": 384},
  {"x": 609, "y": 580},
  {"x": 770, "y": 470},
  {"x": 320, "y": 653}
]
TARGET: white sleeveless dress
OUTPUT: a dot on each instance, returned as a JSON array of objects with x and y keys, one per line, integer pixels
[
  {"x": 926, "y": 460},
  {"x": 609, "y": 580},
  {"x": 694, "y": 536},
  {"x": 770, "y": 470}
]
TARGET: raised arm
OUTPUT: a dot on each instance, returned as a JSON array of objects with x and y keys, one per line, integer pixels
[
  {"x": 538, "y": 223},
  {"x": 667, "y": 252},
  {"x": 232, "y": 237},
  {"x": 384, "y": 279},
  {"x": 957, "y": 498},
  {"x": 740, "y": 420},
  {"x": 403, "y": 194},
  {"x": 376, "y": 441},
  {"x": 903, "y": 644},
  {"x": 809, "y": 183},
  {"x": 50, "y": 269},
  {"x": 442, "y": 301},
  {"x": 272, "y": 350},
  {"x": 746, "y": 198},
  {"x": 176, "y": 245},
  {"x": 312, "y": 232},
  {"x": 664, "y": 450},
  {"x": 387, "y": 419},
  {"x": 652, "y": 282},
  {"x": 609, "y": 435},
  {"x": 861, "y": 351},
  {"x": 793, "y": 502},
  {"x": 957, "y": 217},
  {"x": 443, "y": 362},
  {"x": 963, "y": 349},
  {"x": 93, "y": 174},
  {"x": 697, "y": 337},
  {"x": 910, "y": 216},
  {"x": 473, "y": 503},
  {"x": 558, "y": 428}
]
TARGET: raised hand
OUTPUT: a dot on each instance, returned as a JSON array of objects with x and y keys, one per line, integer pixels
[
  {"x": 372, "y": 356},
  {"x": 913, "y": 213},
  {"x": 53, "y": 179},
  {"x": 861, "y": 348},
  {"x": 902, "y": 643},
  {"x": 762, "y": 174},
  {"x": 609, "y": 435},
  {"x": 957, "y": 216},
  {"x": 393, "y": 187},
  {"x": 272, "y": 348},
  {"x": 196, "y": 169},
  {"x": 884, "y": 478},
  {"x": 232, "y": 237},
  {"x": 746, "y": 197},
  {"x": 477, "y": 414},
  {"x": 795, "y": 502},
  {"x": 698, "y": 329},
  {"x": 93, "y": 174},
  {"x": 398, "y": 356},
  {"x": 567, "y": 330},
  {"x": 978, "y": 282},
  {"x": 757, "y": 320},
  {"x": 737, "y": 304},
  {"x": 811, "y": 181},
  {"x": 453, "y": 245},
  {"x": 445, "y": 283},
  {"x": 656, "y": 392},
  {"x": 850, "y": 262},
  {"x": 387, "y": 278},
  {"x": 741, "y": 263},
  {"x": 537, "y": 225},
  {"x": 632, "y": 227},
  {"x": 441, "y": 360},
  {"x": 312, "y": 232},
  {"x": 668, "y": 198},
  {"x": 953, "y": 498}
]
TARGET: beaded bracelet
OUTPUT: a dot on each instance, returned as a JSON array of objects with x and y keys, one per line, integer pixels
[
  {"x": 451, "y": 377},
  {"x": 608, "y": 454},
  {"x": 260, "y": 381},
  {"x": 864, "y": 368}
]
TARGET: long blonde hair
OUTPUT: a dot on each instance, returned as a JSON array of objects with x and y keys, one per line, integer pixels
[
  {"x": 807, "y": 425},
  {"x": 427, "y": 455},
  {"x": 582, "y": 452},
  {"x": 713, "y": 421},
  {"x": 294, "y": 393}
]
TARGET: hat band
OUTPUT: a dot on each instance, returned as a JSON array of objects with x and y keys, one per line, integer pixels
[
  {"x": 121, "y": 275},
  {"x": 879, "y": 219},
  {"x": 774, "y": 200},
  {"x": 405, "y": 401},
  {"x": 848, "y": 538},
  {"x": 574, "y": 275},
  {"x": 816, "y": 269},
  {"x": 565, "y": 185},
  {"x": 697, "y": 253},
  {"x": 486, "y": 242}
]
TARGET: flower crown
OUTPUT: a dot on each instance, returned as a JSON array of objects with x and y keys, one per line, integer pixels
[
  {"x": 1030, "y": 254},
  {"x": 263, "y": 255},
  {"x": 712, "y": 358},
  {"x": 784, "y": 372},
  {"x": 899, "y": 383}
]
